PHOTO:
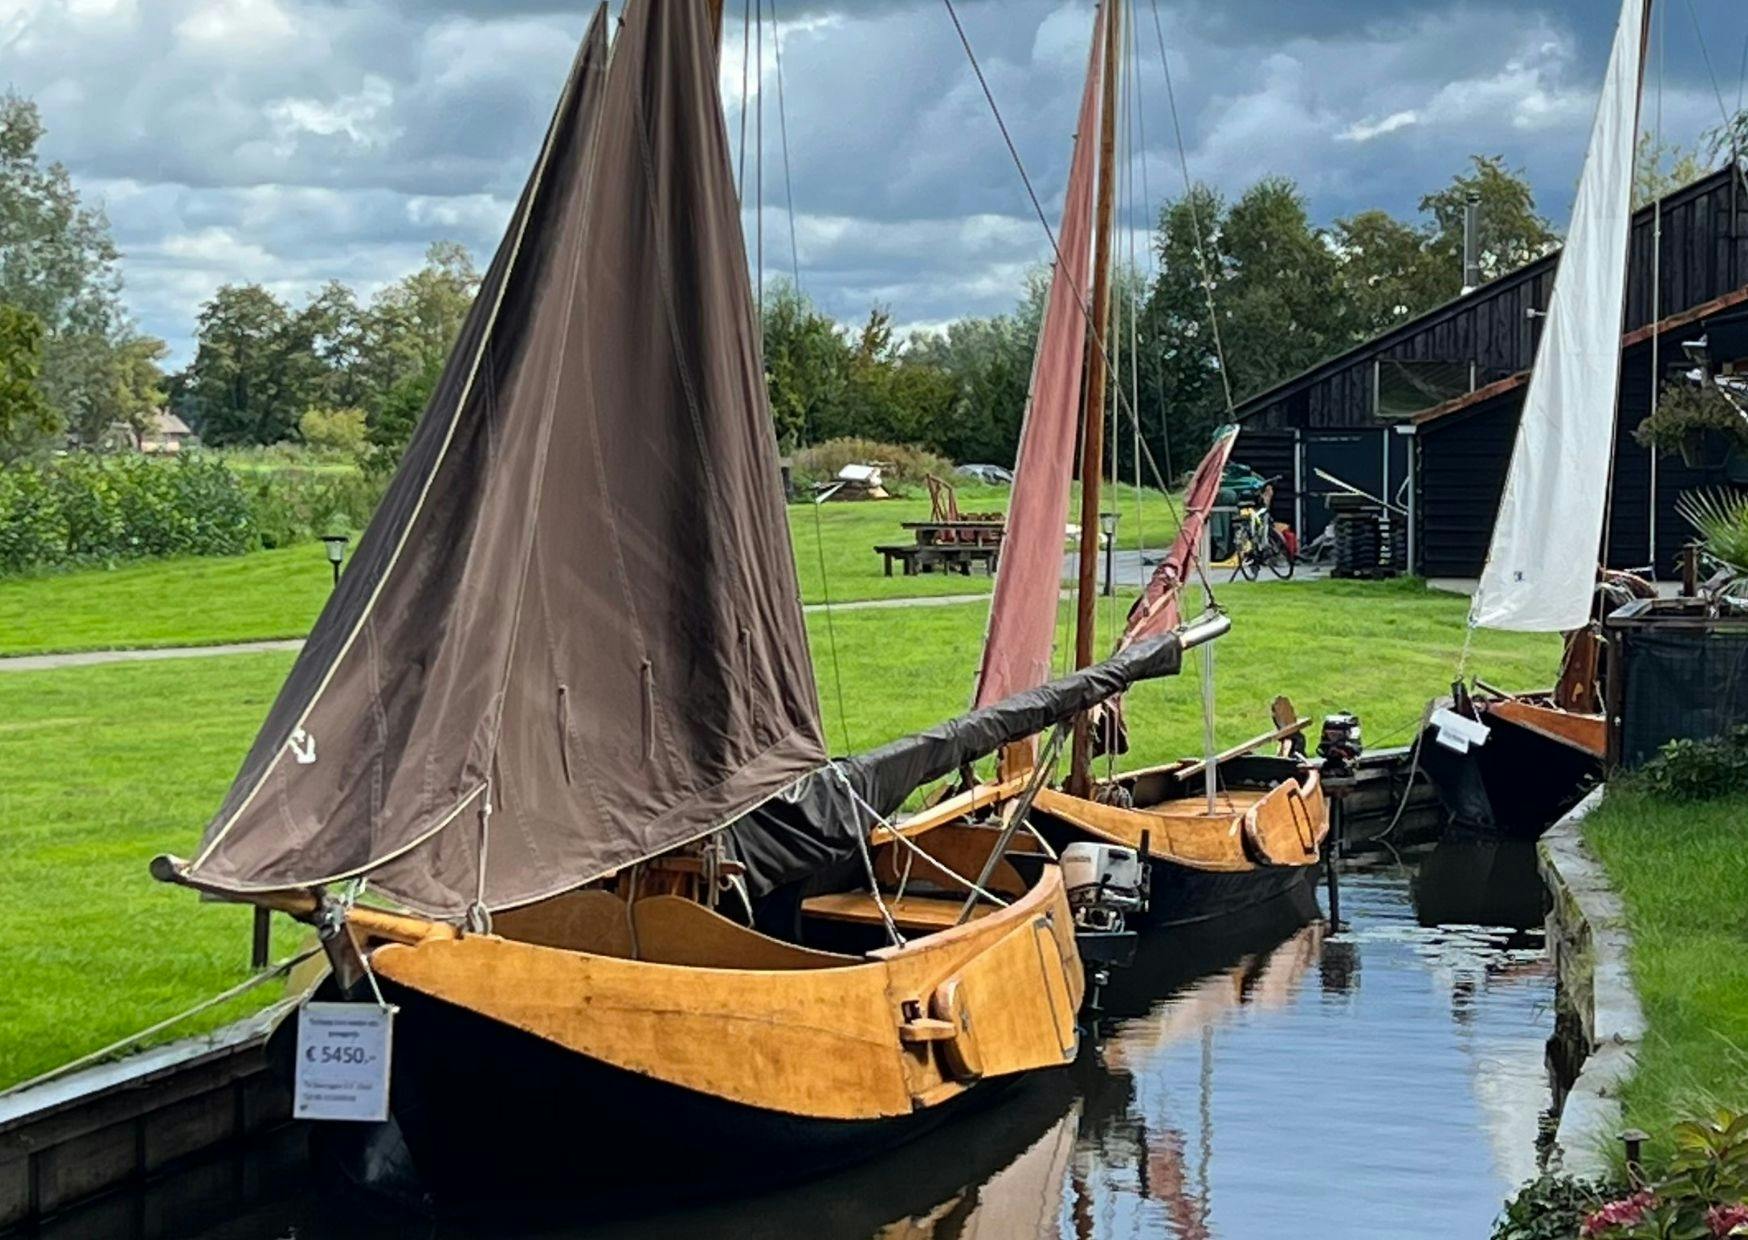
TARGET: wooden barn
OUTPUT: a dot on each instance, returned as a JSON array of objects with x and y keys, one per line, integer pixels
[{"x": 1425, "y": 415}]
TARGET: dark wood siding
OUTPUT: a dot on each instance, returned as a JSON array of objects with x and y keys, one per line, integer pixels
[
  {"x": 1704, "y": 255},
  {"x": 1462, "y": 472},
  {"x": 1271, "y": 453}
]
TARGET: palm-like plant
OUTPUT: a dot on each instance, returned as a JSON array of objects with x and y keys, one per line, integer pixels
[{"x": 1721, "y": 517}]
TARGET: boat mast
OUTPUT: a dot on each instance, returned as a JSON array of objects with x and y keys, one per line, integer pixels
[{"x": 1092, "y": 455}]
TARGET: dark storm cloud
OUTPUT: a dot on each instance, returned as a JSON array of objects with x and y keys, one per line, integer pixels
[{"x": 294, "y": 141}]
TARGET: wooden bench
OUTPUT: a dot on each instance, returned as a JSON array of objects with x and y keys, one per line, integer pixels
[
  {"x": 948, "y": 557},
  {"x": 914, "y": 913}
]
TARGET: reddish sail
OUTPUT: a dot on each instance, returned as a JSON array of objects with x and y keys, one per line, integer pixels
[
  {"x": 1022, "y": 618},
  {"x": 1158, "y": 610}
]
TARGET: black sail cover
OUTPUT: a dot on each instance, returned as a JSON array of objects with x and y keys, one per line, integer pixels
[
  {"x": 571, "y": 637},
  {"x": 816, "y": 821}
]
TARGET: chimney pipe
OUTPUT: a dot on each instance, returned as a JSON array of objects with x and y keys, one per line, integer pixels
[{"x": 1472, "y": 243}]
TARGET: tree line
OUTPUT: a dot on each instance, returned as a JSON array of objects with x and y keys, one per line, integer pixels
[{"x": 1240, "y": 295}]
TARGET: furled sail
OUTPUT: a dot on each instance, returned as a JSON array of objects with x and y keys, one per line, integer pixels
[
  {"x": 1160, "y": 607},
  {"x": 817, "y": 821},
  {"x": 571, "y": 638},
  {"x": 1022, "y": 617},
  {"x": 1541, "y": 566}
]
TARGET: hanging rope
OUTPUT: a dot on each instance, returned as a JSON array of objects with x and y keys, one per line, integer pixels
[
  {"x": 1098, "y": 340},
  {"x": 783, "y": 130},
  {"x": 831, "y": 635}
]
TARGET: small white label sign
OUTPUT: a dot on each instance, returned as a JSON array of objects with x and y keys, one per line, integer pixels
[{"x": 343, "y": 1061}]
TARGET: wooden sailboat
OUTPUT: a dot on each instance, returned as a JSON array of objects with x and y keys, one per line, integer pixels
[
  {"x": 1541, "y": 751},
  {"x": 1220, "y": 835},
  {"x": 549, "y": 774}
]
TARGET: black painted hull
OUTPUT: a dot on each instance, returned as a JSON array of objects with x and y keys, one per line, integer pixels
[
  {"x": 1188, "y": 897},
  {"x": 482, "y": 1111},
  {"x": 1515, "y": 786}
]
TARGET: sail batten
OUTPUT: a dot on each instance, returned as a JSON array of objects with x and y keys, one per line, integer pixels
[
  {"x": 1022, "y": 617},
  {"x": 577, "y": 603},
  {"x": 1540, "y": 574}
]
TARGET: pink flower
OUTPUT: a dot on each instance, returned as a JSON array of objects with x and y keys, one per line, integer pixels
[
  {"x": 1725, "y": 1220},
  {"x": 1622, "y": 1213}
]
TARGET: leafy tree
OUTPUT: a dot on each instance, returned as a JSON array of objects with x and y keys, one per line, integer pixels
[
  {"x": 58, "y": 264},
  {"x": 333, "y": 430},
  {"x": 26, "y": 417},
  {"x": 1389, "y": 271},
  {"x": 1661, "y": 168},
  {"x": 1513, "y": 232},
  {"x": 806, "y": 365},
  {"x": 989, "y": 362},
  {"x": 253, "y": 373},
  {"x": 1183, "y": 398}
]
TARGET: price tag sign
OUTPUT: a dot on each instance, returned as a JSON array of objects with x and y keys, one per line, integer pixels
[{"x": 343, "y": 1061}]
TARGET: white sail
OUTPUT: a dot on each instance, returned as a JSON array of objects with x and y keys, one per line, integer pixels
[{"x": 1541, "y": 567}]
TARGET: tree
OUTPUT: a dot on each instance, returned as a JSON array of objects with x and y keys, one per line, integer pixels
[
  {"x": 26, "y": 417},
  {"x": 58, "y": 264},
  {"x": 806, "y": 365},
  {"x": 1183, "y": 398},
  {"x": 1389, "y": 271},
  {"x": 989, "y": 362},
  {"x": 253, "y": 374},
  {"x": 1661, "y": 168},
  {"x": 1513, "y": 232}
]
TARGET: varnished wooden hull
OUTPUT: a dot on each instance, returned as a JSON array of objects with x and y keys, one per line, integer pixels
[
  {"x": 1263, "y": 844},
  {"x": 488, "y": 1111}
]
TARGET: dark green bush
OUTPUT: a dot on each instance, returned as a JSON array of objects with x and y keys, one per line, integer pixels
[
  {"x": 1550, "y": 1207},
  {"x": 1688, "y": 770}
]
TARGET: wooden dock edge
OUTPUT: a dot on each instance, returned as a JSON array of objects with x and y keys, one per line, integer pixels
[
  {"x": 1591, "y": 947},
  {"x": 68, "y": 1141}
]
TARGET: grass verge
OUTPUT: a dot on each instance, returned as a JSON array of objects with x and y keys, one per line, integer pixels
[
  {"x": 278, "y": 594},
  {"x": 1678, "y": 867}
]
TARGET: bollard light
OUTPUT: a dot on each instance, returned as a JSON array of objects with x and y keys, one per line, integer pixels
[
  {"x": 1108, "y": 527},
  {"x": 336, "y": 545}
]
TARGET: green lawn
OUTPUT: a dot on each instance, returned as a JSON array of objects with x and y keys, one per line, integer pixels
[
  {"x": 277, "y": 594},
  {"x": 1680, "y": 869},
  {"x": 100, "y": 768}
]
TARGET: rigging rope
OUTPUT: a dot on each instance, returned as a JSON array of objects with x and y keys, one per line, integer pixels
[
  {"x": 746, "y": 49},
  {"x": 783, "y": 129},
  {"x": 1080, "y": 297},
  {"x": 831, "y": 635}
]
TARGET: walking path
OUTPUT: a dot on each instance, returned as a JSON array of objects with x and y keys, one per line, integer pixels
[{"x": 93, "y": 658}]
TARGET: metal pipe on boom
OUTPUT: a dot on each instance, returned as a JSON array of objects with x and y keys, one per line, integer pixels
[{"x": 1092, "y": 453}]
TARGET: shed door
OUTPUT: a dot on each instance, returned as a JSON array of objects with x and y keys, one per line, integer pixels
[{"x": 1358, "y": 459}]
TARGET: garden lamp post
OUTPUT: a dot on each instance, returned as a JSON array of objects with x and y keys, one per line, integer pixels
[
  {"x": 1108, "y": 527},
  {"x": 336, "y": 545}
]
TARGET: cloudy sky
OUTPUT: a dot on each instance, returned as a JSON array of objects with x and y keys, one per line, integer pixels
[{"x": 295, "y": 141}]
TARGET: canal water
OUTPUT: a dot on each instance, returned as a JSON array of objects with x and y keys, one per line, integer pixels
[{"x": 1386, "y": 1079}]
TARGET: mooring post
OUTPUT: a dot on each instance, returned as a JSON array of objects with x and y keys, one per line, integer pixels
[{"x": 258, "y": 948}]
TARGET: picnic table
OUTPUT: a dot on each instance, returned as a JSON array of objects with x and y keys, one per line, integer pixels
[{"x": 951, "y": 546}]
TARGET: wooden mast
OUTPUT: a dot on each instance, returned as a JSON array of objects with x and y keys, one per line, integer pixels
[{"x": 1092, "y": 456}]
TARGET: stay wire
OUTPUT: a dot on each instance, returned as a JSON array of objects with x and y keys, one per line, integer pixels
[
  {"x": 1206, "y": 269},
  {"x": 831, "y": 635},
  {"x": 783, "y": 130},
  {"x": 1080, "y": 296},
  {"x": 746, "y": 51},
  {"x": 1706, "y": 55}
]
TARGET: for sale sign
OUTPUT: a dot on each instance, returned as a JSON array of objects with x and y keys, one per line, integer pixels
[{"x": 343, "y": 1061}]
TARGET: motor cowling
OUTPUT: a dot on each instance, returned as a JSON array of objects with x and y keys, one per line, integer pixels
[{"x": 1105, "y": 883}]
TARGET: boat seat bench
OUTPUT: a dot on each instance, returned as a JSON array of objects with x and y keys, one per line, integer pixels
[{"x": 914, "y": 913}]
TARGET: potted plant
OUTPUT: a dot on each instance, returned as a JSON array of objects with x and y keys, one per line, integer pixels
[{"x": 1696, "y": 421}]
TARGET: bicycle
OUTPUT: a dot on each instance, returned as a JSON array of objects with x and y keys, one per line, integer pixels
[{"x": 1259, "y": 543}]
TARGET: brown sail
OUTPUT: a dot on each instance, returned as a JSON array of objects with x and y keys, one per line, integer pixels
[{"x": 571, "y": 638}]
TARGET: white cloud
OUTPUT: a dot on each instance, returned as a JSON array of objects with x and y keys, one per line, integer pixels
[
  {"x": 362, "y": 117},
  {"x": 1365, "y": 131},
  {"x": 235, "y": 24}
]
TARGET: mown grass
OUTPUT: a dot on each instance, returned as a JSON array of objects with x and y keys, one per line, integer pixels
[
  {"x": 1679, "y": 868},
  {"x": 278, "y": 594},
  {"x": 100, "y": 768}
]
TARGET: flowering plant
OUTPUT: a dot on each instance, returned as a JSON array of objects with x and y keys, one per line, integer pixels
[{"x": 1703, "y": 1197}]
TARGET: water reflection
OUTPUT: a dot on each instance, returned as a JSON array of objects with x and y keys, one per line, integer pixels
[{"x": 1267, "y": 1079}]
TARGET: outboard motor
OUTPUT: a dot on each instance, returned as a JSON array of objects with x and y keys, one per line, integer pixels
[
  {"x": 1340, "y": 745},
  {"x": 1106, "y": 883}
]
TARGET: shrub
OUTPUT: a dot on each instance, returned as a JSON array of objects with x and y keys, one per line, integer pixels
[
  {"x": 33, "y": 532},
  {"x": 1690, "y": 770},
  {"x": 1700, "y": 1196},
  {"x": 1550, "y": 1207},
  {"x": 1688, "y": 408},
  {"x": 339, "y": 431},
  {"x": 906, "y": 466},
  {"x": 293, "y": 506}
]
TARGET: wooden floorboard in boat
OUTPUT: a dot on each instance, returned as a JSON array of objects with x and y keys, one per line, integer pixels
[{"x": 921, "y": 913}]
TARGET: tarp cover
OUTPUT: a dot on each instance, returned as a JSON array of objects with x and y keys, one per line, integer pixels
[
  {"x": 1160, "y": 607},
  {"x": 1540, "y": 574},
  {"x": 1028, "y": 584},
  {"x": 814, "y": 823},
  {"x": 577, "y": 602}
]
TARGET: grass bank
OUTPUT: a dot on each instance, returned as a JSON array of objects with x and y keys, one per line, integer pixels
[
  {"x": 1679, "y": 869},
  {"x": 102, "y": 767},
  {"x": 278, "y": 594}
]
